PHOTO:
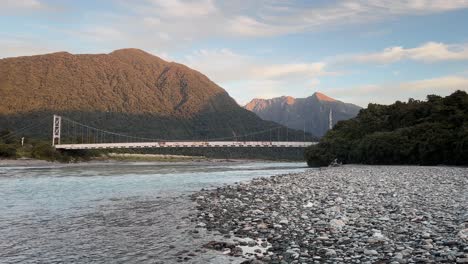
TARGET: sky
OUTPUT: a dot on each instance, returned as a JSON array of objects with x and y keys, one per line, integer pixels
[{"x": 357, "y": 51}]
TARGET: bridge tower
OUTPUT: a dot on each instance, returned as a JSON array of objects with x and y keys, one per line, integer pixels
[{"x": 57, "y": 127}]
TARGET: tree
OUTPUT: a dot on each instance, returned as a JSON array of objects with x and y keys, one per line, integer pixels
[{"x": 416, "y": 132}]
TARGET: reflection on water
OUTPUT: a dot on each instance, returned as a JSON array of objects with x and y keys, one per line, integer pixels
[{"x": 110, "y": 212}]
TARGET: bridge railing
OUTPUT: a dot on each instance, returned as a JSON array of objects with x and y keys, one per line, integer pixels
[
  {"x": 69, "y": 134},
  {"x": 189, "y": 144}
]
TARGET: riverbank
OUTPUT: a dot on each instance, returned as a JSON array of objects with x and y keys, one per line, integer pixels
[
  {"x": 149, "y": 157},
  {"x": 349, "y": 214},
  {"x": 129, "y": 158}
]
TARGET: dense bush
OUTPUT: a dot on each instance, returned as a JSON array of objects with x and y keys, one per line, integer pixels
[
  {"x": 44, "y": 151},
  {"x": 7, "y": 151},
  {"x": 428, "y": 132}
]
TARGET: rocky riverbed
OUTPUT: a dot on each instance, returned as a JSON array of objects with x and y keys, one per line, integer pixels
[{"x": 349, "y": 214}]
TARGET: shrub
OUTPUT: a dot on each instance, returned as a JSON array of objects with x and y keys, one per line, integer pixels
[
  {"x": 45, "y": 151},
  {"x": 7, "y": 151}
]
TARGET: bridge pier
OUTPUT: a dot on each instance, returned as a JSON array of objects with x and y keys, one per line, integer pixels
[{"x": 57, "y": 127}]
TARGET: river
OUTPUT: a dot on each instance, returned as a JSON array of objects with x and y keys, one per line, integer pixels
[{"x": 113, "y": 212}]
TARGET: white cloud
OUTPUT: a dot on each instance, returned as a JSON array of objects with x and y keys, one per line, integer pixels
[
  {"x": 419, "y": 6},
  {"x": 180, "y": 8},
  {"x": 21, "y": 4},
  {"x": 390, "y": 92},
  {"x": 446, "y": 83},
  {"x": 168, "y": 25},
  {"x": 250, "y": 27},
  {"x": 428, "y": 52},
  {"x": 245, "y": 77},
  {"x": 221, "y": 65},
  {"x": 23, "y": 46},
  {"x": 185, "y": 20},
  {"x": 225, "y": 65},
  {"x": 100, "y": 33},
  {"x": 341, "y": 13},
  {"x": 281, "y": 70}
]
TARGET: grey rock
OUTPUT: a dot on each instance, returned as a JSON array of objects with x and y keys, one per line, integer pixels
[{"x": 371, "y": 252}]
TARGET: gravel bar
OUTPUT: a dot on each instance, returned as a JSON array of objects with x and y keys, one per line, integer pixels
[{"x": 347, "y": 214}]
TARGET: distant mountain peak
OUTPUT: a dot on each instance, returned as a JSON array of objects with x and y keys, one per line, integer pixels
[
  {"x": 323, "y": 97},
  {"x": 316, "y": 113},
  {"x": 288, "y": 99}
]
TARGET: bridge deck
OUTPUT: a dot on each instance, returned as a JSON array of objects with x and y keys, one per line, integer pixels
[{"x": 188, "y": 144}]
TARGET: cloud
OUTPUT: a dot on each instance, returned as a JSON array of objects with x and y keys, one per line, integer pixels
[
  {"x": 390, "y": 92},
  {"x": 100, "y": 33},
  {"x": 180, "y": 8},
  {"x": 220, "y": 65},
  {"x": 246, "y": 77},
  {"x": 281, "y": 70},
  {"x": 184, "y": 20},
  {"x": 446, "y": 83},
  {"x": 314, "y": 17},
  {"x": 32, "y": 7},
  {"x": 23, "y": 46},
  {"x": 428, "y": 52},
  {"x": 225, "y": 65},
  {"x": 21, "y": 4},
  {"x": 250, "y": 27},
  {"x": 168, "y": 25}
]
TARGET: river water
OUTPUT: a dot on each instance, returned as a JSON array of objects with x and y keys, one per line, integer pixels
[{"x": 113, "y": 212}]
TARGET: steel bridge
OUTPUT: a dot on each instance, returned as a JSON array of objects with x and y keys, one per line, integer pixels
[{"x": 94, "y": 138}]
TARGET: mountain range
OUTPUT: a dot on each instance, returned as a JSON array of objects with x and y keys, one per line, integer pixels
[
  {"x": 127, "y": 91},
  {"x": 315, "y": 114}
]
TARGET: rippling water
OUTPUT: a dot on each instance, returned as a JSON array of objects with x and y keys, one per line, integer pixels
[{"x": 111, "y": 212}]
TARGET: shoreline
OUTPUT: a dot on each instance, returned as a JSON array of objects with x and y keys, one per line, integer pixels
[
  {"x": 137, "y": 158},
  {"x": 349, "y": 214}
]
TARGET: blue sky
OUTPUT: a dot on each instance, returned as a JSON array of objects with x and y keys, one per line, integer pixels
[{"x": 357, "y": 51}]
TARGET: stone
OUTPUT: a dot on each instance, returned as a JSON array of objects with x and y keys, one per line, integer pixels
[
  {"x": 370, "y": 252},
  {"x": 377, "y": 237},
  {"x": 348, "y": 210},
  {"x": 237, "y": 251},
  {"x": 425, "y": 235},
  {"x": 337, "y": 224},
  {"x": 463, "y": 234},
  {"x": 330, "y": 253}
]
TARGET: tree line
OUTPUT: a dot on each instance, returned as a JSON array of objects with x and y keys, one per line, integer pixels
[{"x": 430, "y": 132}]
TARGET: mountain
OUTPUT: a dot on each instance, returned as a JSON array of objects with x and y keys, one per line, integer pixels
[
  {"x": 127, "y": 91},
  {"x": 430, "y": 132},
  {"x": 312, "y": 113}
]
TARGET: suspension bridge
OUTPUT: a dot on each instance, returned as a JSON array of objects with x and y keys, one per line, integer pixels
[{"x": 71, "y": 135}]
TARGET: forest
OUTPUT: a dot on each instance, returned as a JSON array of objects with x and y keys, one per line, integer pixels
[{"x": 429, "y": 132}]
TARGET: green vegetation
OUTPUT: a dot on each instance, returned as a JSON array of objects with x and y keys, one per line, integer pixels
[
  {"x": 430, "y": 132},
  {"x": 7, "y": 151},
  {"x": 11, "y": 148}
]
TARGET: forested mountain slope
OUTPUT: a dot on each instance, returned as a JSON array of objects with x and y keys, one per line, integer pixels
[
  {"x": 428, "y": 132},
  {"x": 127, "y": 91}
]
